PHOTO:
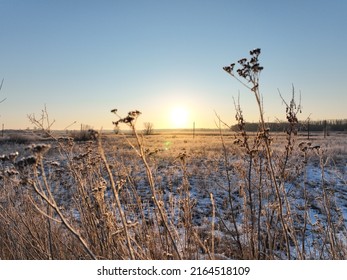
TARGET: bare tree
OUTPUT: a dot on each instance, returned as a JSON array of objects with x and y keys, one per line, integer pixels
[{"x": 148, "y": 130}]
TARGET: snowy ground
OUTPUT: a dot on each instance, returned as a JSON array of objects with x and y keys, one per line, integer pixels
[{"x": 181, "y": 163}]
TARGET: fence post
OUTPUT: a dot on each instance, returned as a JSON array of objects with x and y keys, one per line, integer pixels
[{"x": 193, "y": 130}]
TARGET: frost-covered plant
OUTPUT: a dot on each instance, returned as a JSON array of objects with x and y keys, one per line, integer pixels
[{"x": 271, "y": 223}]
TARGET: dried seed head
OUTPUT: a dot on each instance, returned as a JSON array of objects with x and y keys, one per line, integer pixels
[
  {"x": 101, "y": 187},
  {"x": 11, "y": 172},
  {"x": 132, "y": 116},
  {"x": 10, "y": 157},
  {"x": 227, "y": 69},
  {"x": 93, "y": 134},
  {"x": 28, "y": 161},
  {"x": 302, "y": 144},
  {"x": 4, "y": 158},
  {"x": 39, "y": 148},
  {"x": 242, "y": 61},
  {"x": 182, "y": 156},
  {"x": 230, "y": 68},
  {"x": 249, "y": 69},
  {"x": 13, "y": 156},
  {"x": 120, "y": 183},
  {"x": 255, "y": 52}
]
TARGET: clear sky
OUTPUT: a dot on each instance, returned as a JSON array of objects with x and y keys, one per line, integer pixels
[{"x": 83, "y": 58}]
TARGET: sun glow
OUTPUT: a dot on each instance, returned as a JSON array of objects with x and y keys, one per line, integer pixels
[{"x": 179, "y": 117}]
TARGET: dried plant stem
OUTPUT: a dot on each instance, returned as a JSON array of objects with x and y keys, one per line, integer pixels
[
  {"x": 228, "y": 175},
  {"x": 154, "y": 192},
  {"x": 118, "y": 203},
  {"x": 250, "y": 71},
  {"x": 53, "y": 204},
  {"x": 260, "y": 206},
  {"x": 49, "y": 209},
  {"x": 327, "y": 208},
  {"x": 202, "y": 245},
  {"x": 212, "y": 224},
  {"x": 272, "y": 171}
]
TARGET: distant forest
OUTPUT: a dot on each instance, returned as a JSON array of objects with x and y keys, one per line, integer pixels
[{"x": 322, "y": 125}]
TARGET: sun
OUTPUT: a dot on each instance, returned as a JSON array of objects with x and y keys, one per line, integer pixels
[{"x": 179, "y": 117}]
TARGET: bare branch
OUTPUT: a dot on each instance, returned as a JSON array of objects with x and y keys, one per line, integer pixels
[{"x": 2, "y": 82}]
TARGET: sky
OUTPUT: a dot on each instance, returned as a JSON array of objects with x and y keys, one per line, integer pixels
[{"x": 83, "y": 58}]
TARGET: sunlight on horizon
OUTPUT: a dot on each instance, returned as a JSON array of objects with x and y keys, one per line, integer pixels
[{"x": 179, "y": 117}]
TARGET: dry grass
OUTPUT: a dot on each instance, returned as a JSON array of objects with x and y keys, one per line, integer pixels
[
  {"x": 73, "y": 179},
  {"x": 171, "y": 196}
]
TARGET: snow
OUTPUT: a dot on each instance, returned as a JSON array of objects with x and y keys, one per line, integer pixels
[{"x": 202, "y": 173}]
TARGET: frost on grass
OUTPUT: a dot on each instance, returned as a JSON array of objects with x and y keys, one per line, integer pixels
[{"x": 185, "y": 175}]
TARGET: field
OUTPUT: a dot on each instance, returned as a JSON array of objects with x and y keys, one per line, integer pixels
[
  {"x": 170, "y": 195},
  {"x": 175, "y": 195}
]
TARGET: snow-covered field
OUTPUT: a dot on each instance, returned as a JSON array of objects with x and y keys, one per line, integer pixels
[{"x": 215, "y": 201}]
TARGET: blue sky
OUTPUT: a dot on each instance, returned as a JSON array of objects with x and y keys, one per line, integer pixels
[{"x": 84, "y": 58}]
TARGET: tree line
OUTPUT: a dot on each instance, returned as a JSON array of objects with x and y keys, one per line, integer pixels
[{"x": 318, "y": 125}]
